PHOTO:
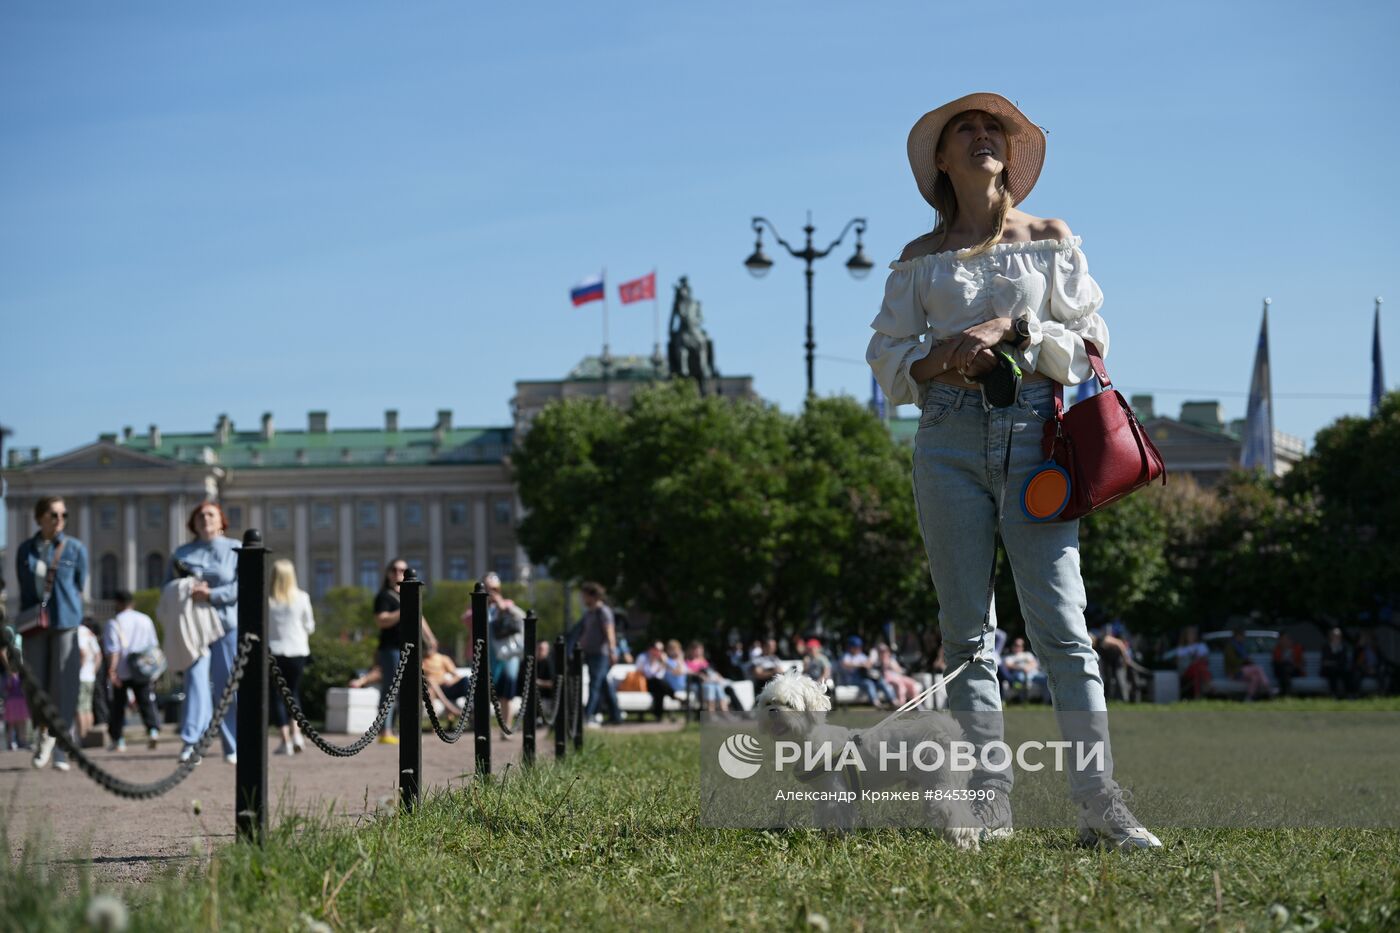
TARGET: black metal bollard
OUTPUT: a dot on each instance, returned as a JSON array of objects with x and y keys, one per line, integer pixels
[
  {"x": 250, "y": 774},
  {"x": 411, "y": 691},
  {"x": 578, "y": 697},
  {"x": 481, "y": 689},
  {"x": 563, "y": 693},
  {"x": 530, "y": 692}
]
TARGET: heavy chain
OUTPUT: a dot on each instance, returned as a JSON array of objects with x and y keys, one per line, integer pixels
[
  {"x": 50, "y": 718},
  {"x": 465, "y": 717},
  {"x": 528, "y": 679},
  {"x": 359, "y": 745}
]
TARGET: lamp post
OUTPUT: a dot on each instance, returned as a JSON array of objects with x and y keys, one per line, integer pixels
[{"x": 858, "y": 265}]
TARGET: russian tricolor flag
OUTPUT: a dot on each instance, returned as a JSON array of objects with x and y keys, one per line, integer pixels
[{"x": 588, "y": 290}]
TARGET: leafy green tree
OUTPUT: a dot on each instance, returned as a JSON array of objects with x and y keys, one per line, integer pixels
[
  {"x": 716, "y": 514},
  {"x": 1123, "y": 555},
  {"x": 1352, "y": 479}
]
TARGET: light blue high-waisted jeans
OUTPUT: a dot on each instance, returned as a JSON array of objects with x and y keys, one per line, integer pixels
[{"x": 959, "y": 455}]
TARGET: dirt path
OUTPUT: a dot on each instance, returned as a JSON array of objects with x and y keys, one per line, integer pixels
[{"x": 129, "y": 840}]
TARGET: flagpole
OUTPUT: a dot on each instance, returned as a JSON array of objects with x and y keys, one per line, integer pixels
[
  {"x": 607, "y": 357},
  {"x": 1377, "y": 369},
  {"x": 655, "y": 324}
]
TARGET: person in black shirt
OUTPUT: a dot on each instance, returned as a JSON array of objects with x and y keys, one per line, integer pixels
[{"x": 386, "y": 616}]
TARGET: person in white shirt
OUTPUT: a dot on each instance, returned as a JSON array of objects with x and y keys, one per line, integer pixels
[
  {"x": 129, "y": 633},
  {"x": 89, "y": 656},
  {"x": 289, "y": 627},
  {"x": 989, "y": 285}
]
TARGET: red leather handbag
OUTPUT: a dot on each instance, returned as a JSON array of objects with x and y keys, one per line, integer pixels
[{"x": 1101, "y": 445}]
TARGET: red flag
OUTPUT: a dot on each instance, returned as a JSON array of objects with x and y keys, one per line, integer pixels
[{"x": 638, "y": 289}]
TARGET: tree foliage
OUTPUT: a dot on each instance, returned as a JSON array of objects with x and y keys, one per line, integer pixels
[{"x": 716, "y": 514}]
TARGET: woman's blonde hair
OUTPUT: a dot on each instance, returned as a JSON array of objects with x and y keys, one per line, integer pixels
[
  {"x": 284, "y": 581},
  {"x": 945, "y": 202}
]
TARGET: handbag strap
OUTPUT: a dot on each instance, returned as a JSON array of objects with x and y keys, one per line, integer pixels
[{"x": 52, "y": 574}]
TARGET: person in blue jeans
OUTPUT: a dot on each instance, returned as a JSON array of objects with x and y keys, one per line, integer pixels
[
  {"x": 213, "y": 559},
  {"x": 987, "y": 281},
  {"x": 598, "y": 639},
  {"x": 51, "y": 654}
]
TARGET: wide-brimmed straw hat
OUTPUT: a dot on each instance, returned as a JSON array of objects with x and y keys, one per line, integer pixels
[{"x": 1025, "y": 142}]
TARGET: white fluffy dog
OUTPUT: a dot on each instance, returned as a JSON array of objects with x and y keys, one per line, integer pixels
[{"x": 792, "y": 706}]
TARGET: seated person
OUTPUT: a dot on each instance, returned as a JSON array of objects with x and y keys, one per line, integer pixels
[
  {"x": 1337, "y": 665},
  {"x": 444, "y": 683},
  {"x": 1288, "y": 662},
  {"x": 887, "y": 667},
  {"x": 1238, "y": 666},
  {"x": 766, "y": 665},
  {"x": 815, "y": 663},
  {"x": 1192, "y": 661},
  {"x": 655, "y": 666},
  {"x": 855, "y": 670},
  {"x": 544, "y": 670},
  {"x": 1022, "y": 667},
  {"x": 713, "y": 687}
]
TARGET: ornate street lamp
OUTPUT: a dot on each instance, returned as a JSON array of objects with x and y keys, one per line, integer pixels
[{"x": 858, "y": 265}]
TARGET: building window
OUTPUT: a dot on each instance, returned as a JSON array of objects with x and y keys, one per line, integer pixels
[
  {"x": 457, "y": 567},
  {"x": 280, "y": 517},
  {"x": 457, "y": 513},
  {"x": 413, "y": 513},
  {"x": 155, "y": 570},
  {"x": 107, "y": 579},
  {"x": 235, "y": 518},
  {"x": 368, "y": 514},
  {"x": 155, "y": 515},
  {"x": 369, "y": 573},
  {"x": 323, "y": 516},
  {"x": 505, "y": 568},
  {"x": 322, "y": 578},
  {"x": 107, "y": 517},
  {"x": 502, "y": 511}
]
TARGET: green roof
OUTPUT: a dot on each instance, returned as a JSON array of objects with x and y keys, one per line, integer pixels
[{"x": 347, "y": 447}]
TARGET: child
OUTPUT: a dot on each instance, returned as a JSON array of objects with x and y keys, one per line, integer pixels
[{"x": 16, "y": 709}]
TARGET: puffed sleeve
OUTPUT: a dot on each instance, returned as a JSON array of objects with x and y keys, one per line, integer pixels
[
  {"x": 896, "y": 344},
  {"x": 1070, "y": 317}
]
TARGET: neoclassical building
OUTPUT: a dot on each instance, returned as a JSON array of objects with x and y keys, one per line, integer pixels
[{"x": 340, "y": 502}]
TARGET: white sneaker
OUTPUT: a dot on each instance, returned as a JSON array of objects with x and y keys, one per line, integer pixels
[
  {"x": 231, "y": 758},
  {"x": 186, "y": 753},
  {"x": 992, "y": 817},
  {"x": 153, "y": 738},
  {"x": 61, "y": 764},
  {"x": 1105, "y": 820},
  {"x": 45, "y": 750},
  {"x": 285, "y": 749},
  {"x": 117, "y": 745}
]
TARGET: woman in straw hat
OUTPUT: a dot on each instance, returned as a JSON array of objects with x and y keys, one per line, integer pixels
[{"x": 990, "y": 278}]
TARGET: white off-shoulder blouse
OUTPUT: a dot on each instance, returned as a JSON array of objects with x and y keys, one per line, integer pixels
[{"x": 937, "y": 296}]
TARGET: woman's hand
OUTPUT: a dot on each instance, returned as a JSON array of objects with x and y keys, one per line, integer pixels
[
  {"x": 978, "y": 338},
  {"x": 982, "y": 363},
  {"x": 200, "y": 592}
]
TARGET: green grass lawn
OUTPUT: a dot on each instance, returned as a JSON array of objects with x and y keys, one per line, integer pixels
[{"x": 611, "y": 841}]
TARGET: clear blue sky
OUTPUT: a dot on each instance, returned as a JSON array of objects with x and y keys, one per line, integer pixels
[{"x": 358, "y": 206}]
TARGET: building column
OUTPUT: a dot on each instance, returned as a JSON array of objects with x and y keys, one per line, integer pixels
[
  {"x": 435, "y": 539},
  {"x": 479, "y": 552},
  {"x": 391, "y": 530},
  {"x": 347, "y": 543},
  {"x": 175, "y": 519},
  {"x": 129, "y": 517},
  {"x": 85, "y": 536},
  {"x": 301, "y": 536}
]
